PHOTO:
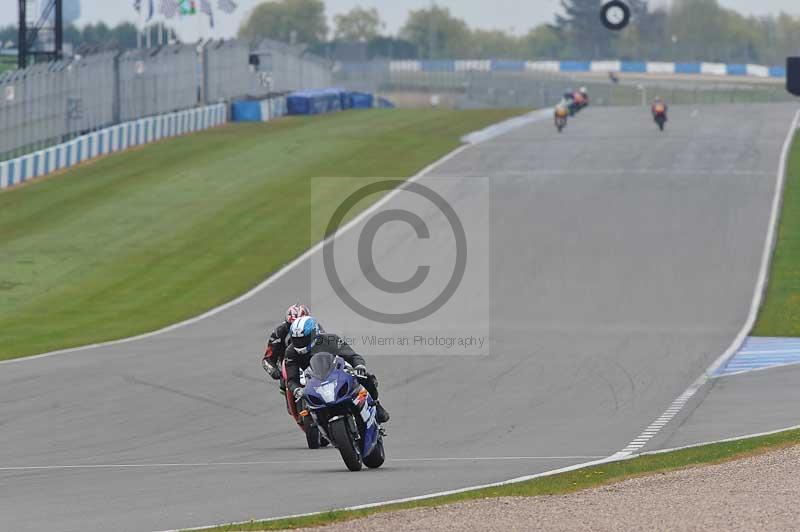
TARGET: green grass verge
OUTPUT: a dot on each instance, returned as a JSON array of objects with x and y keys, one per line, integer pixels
[
  {"x": 139, "y": 240},
  {"x": 780, "y": 312},
  {"x": 557, "y": 484}
]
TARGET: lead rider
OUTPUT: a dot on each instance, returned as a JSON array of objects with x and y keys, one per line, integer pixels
[{"x": 307, "y": 339}]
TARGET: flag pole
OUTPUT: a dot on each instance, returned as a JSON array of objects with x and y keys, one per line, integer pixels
[{"x": 139, "y": 28}]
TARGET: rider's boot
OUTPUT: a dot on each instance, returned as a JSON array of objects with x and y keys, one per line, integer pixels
[{"x": 381, "y": 414}]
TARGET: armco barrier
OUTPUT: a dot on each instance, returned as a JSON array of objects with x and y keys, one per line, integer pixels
[
  {"x": 109, "y": 140},
  {"x": 653, "y": 67}
]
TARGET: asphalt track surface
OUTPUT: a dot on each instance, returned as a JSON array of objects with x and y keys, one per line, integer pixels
[{"x": 622, "y": 262}]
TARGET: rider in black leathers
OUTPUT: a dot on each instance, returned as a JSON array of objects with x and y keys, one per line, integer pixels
[
  {"x": 305, "y": 345},
  {"x": 277, "y": 342}
]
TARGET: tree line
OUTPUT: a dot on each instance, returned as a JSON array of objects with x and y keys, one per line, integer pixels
[
  {"x": 685, "y": 30},
  {"x": 91, "y": 37}
]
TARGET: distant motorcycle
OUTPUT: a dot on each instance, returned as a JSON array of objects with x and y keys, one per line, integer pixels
[
  {"x": 561, "y": 118},
  {"x": 298, "y": 409},
  {"x": 344, "y": 411},
  {"x": 660, "y": 115}
]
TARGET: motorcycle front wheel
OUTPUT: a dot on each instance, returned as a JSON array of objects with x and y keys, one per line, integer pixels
[
  {"x": 344, "y": 441},
  {"x": 376, "y": 458}
]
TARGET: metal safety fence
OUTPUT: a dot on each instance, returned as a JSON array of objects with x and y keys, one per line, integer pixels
[
  {"x": 505, "y": 87},
  {"x": 51, "y": 103}
]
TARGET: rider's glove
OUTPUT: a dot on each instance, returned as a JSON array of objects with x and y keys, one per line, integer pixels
[
  {"x": 271, "y": 370},
  {"x": 360, "y": 371},
  {"x": 298, "y": 393}
]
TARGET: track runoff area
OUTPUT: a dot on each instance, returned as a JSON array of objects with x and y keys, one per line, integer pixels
[{"x": 609, "y": 268}]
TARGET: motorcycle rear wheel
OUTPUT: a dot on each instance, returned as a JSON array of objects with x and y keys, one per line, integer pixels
[
  {"x": 344, "y": 441},
  {"x": 313, "y": 436}
]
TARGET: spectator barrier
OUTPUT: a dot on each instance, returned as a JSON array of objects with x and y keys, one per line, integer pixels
[{"x": 109, "y": 140}]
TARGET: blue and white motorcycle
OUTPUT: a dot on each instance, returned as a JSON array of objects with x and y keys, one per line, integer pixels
[{"x": 344, "y": 411}]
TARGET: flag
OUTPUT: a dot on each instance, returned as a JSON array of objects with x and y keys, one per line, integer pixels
[
  {"x": 137, "y": 5},
  {"x": 205, "y": 7},
  {"x": 227, "y": 6},
  {"x": 150, "y": 9},
  {"x": 187, "y": 7},
  {"x": 169, "y": 8}
]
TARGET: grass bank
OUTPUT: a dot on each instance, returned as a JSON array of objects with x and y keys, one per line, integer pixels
[
  {"x": 557, "y": 484},
  {"x": 142, "y": 239},
  {"x": 780, "y": 312}
]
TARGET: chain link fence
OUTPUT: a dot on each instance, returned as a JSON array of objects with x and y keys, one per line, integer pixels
[
  {"x": 50, "y": 103},
  {"x": 156, "y": 81},
  {"x": 280, "y": 68},
  {"x": 47, "y": 103}
]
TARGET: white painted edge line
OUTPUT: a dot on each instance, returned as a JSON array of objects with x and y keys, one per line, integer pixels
[
  {"x": 332, "y": 460},
  {"x": 726, "y": 440},
  {"x": 614, "y": 458},
  {"x": 766, "y": 256},
  {"x": 618, "y": 457},
  {"x": 479, "y": 137},
  {"x": 758, "y": 294}
]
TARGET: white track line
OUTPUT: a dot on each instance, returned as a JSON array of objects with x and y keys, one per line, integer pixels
[
  {"x": 332, "y": 460},
  {"x": 615, "y": 458},
  {"x": 726, "y": 440},
  {"x": 618, "y": 457},
  {"x": 472, "y": 139},
  {"x": 766, "y": 257}
]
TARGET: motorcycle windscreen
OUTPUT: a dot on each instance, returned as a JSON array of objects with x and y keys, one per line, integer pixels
[{"x": 321, "y": 365}]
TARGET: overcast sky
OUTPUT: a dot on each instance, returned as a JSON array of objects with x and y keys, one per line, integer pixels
[{"x": 516, "y": 15}]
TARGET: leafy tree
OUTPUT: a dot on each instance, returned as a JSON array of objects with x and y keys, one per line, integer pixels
[
  {"x": 436, "y": 33},
  {"x": 287, "y": 21},
  {"x": 580, "y": 25},
  {"x": 73, "y": 35},
  {"x": 494, "y": 44},
  {"x": 123, "y": 36},
  {"x": 543, "y": 42},
  {"x": 391, "y": 48},
  {"x": 645, "y": 37},
  {"x": 8, "y": 33},
  {"x": 96, "y": 34},
  {"x": 358, "y": 24}
]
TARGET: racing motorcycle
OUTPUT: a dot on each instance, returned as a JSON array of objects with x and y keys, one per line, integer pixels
[
  {"x": 660, "y": 115},
  {"x": 561, "y": 118},
  {"x": 298, "y": 409},
  {"x": 344, "y": 411}
]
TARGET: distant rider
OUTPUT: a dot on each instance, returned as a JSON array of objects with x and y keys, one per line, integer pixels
[
  {"x": 561, "y": 111},
  {"x": 581, "y": 98},
  {"x": 277, "y": 342},
  {"x": 659, "y": 107},
  {"x": 307, "y": 339}
]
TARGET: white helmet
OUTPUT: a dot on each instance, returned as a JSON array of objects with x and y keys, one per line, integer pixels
[
  {"x": 582, "y": 90},
  {"x": 304, "y": 333}
]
